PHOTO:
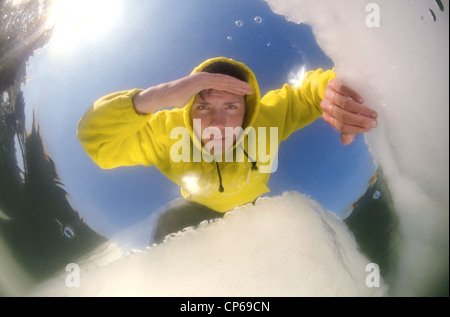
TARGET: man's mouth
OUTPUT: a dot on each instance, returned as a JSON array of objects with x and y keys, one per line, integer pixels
[{"x": 216, "y": 139}]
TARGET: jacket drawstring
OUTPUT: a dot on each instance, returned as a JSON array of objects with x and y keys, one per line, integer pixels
[
  {"x": 254, "y": 168},
  {"x": 221, "y": 189}
]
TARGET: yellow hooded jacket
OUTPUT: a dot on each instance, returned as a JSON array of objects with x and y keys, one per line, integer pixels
[{"x": 113, "y": 135}]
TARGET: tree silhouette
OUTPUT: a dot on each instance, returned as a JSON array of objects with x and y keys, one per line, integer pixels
[
  {"x": 23, "y": 29},
  {"x": 38, "y": 223},
  {"x": 375, "y": 225},
  {"x": 44, "y": 230}
]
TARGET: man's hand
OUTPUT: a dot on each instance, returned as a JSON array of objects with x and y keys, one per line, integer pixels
[
  {"x": 177, "y": 93},
  {"x": 343, "y": 108}
]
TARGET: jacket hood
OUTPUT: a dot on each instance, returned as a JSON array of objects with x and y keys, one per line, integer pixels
[{"x": 252, "y": 101}]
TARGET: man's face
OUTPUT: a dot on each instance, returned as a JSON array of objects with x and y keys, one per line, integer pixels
[{"x": 217, "y": 110}]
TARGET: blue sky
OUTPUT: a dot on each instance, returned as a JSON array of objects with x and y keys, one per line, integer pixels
[{"x": 148, "y": 43}]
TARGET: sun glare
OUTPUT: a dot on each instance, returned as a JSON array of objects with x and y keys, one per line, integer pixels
[
  {"x": 81, "y": 21},
  {"x": 296, "y": 77},
  {"x": 191, "y": 184}
]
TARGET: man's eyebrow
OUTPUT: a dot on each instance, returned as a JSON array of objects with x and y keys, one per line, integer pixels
[
  {"x": 201, "y": 93},
  {"x": 234, "y": 101},
  {"x": 202, "y": 102}
]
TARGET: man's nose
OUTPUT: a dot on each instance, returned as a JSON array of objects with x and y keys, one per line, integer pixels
[{"x": 217, "y": 118}]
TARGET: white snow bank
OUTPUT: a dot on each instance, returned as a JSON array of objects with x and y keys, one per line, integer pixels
[
  {"x": 282, "y": 246},
  {"x": 401, "y": 68}
]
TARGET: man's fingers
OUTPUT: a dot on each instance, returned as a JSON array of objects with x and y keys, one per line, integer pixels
[
  {"x": 345, "y": 90},
  {"x": 230, "y": 84},
  {"x": 342, "y": 88},
  {"x": 353, "y": 106},
  {"x": 351, "y": 118},
  {"x": 244, "y": 90},
  {"x": 234, "y": 89},
  {"x": 343, "y": 127},
  {"x": 345, "y": 117},
  {"x": 347, "y": 98},
  {"x": 344, "y": 109},
  {"x": 346, "y": 139},
  {"x": 333, "y": 97}
]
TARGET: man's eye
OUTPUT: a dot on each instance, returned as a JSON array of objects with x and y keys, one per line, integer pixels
[
  {"x": 202, "y": 107},
  {"x": 231, "y": 107}
]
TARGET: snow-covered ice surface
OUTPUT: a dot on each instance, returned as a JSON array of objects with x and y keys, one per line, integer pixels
[
  {"x": 281, "y": 246},
  {"x": 401, "y": 68}
]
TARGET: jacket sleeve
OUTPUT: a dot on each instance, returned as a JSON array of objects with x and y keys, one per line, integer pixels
[
  {"x": 299, "y": 105},
  {"x": 113, "y": 134}
]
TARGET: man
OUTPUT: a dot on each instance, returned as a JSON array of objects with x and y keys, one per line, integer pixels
[{"x": 226, "y": 128}]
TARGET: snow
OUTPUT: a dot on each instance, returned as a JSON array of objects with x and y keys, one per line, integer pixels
[
  {"x": 401, "y": 68},
  {"x": 281, "y": 246}
]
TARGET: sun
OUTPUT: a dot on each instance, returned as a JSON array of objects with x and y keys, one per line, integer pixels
[
  {"x": 81, "y": 21},
  {"x": 296, "y": 77}
]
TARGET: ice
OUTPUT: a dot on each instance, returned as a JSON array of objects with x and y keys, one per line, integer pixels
[
  {"x": 282, "y": 246},
  {"x": 401, "y": 68}
]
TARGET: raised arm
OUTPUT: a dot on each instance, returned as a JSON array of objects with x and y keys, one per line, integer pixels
[
  {"x": 177, "y": 93},
  {"x": 120, "y": 129}
]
